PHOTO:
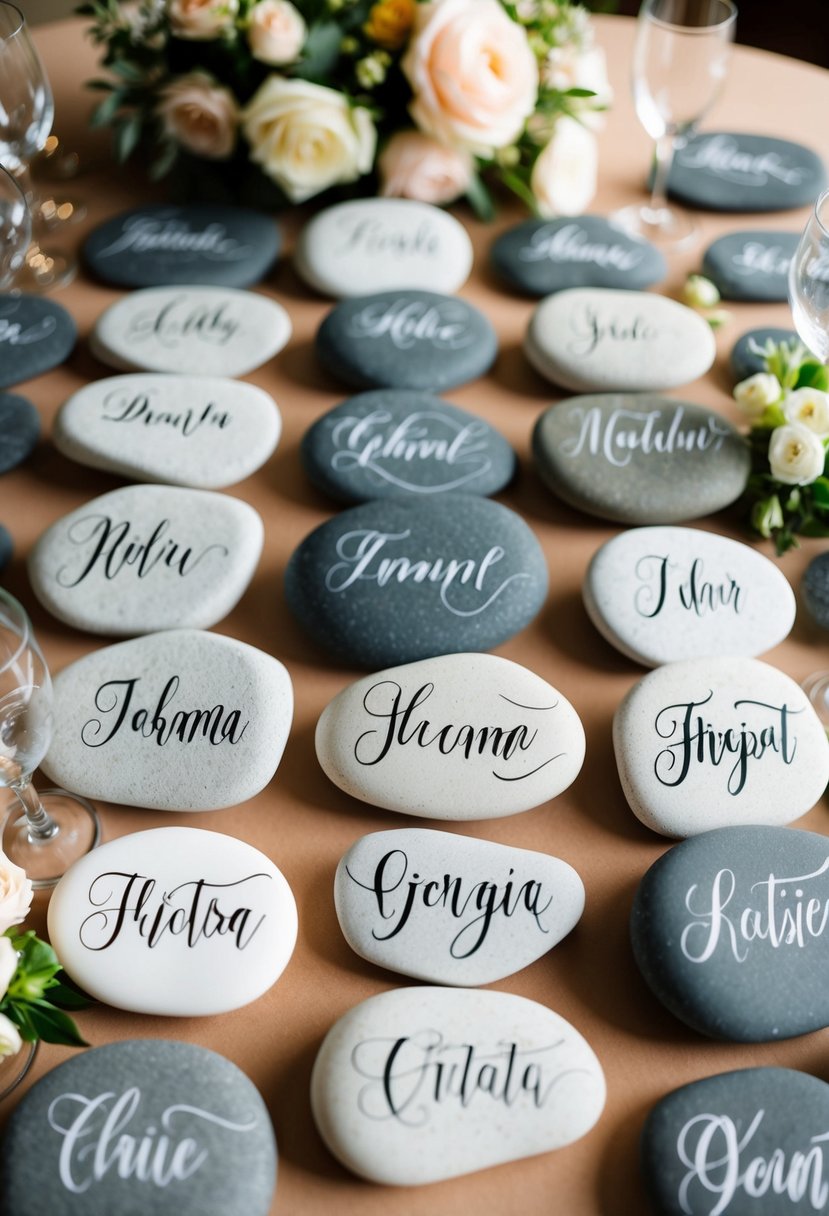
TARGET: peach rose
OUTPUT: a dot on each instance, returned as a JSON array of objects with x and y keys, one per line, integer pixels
[
  {"x": 276, "y": 32},
  {"x": 416, "y": 166},
  {"x": 15, "y": 894},
  {"x": 564, "y": 175},
  {"x": 201, "y": 20},
  {"x": 200, "y": 115}
]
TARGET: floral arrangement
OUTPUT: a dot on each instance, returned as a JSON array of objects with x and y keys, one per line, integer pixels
[{"x": 422, "y": 99}]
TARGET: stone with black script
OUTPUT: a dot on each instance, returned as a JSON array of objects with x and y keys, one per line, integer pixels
[
  {"x": 383, "y": 244},
  {"x": 19, "y": 430},
  {"x": 399, "y": 443},
  {"x": 460, "y": 736},
  {"x": 640, "y": 459},
  {"x": 816, "y": 589},
  {"x": 592, "y": 339},
  {"x": 744, "y": 358},
  {"x": 747, "y": 1143},
  {"x": 752, "y": 265},
  {"x": 392, "y": 581},
  {"x": 731, "y": 932},
  {"x": 147, "y": 557},
  {"x": 148, "y": 1126},
  {"x": 6, "y": 547},
  {"x": 719, "y": 742},
  {"x": 177, "y": 721},
  {"x": 738, "y": 171},
  {"x": 148, "y": 921},
  {"x": 200, "y": 431},
  {"x": 538, "y": 257},
  {"x": 452, "y": 909},
  {"x": 36, "y": 335},
  {"x": 660, "y": 595},
  {"x": 198, "y": 331},
  {"x": 406, "y": 339}
]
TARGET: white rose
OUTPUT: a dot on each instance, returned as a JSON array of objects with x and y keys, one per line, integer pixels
[
  {"x": 201, "y": 20},
  {"x": 796, "y": 455},
  {"x": 307, "y": 137},
  {"x": 10, "y": 1040},
  {"x": 567, "y": 67},
  {"x": 416, "y": 166},
  {"x": 564, "y": 175},
  {"x": 276, "y": 32},
  {"x": 8, "y": 965},
  {"x": 757, "y": 392},
  {"x": 810, "y": 408},
  {"x": 15, "y": 894}
]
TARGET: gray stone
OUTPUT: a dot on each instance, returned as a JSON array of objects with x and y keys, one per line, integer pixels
[
  {"x": 736, "y": 171},
  {"x": 640, "y": 459},
  {"x": 746, "y": 362},
  {"x": 6, "y": 547},
  {"x": 815, "y": 588},
  {"x": 35, "y": 335},
  {"x": 19, "y": 430},
  {"x": 751, "y": 265}
]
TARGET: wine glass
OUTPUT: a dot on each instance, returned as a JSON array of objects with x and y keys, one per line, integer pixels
[
  {"x": 55, "y": 828},
  {"x": 680, "y": 59},
  {"x": 15, "y": 228},
  {"x": 809, "y": 281}
]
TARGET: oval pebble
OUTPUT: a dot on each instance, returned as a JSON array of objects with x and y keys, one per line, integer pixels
[
  {"x": 751, "y": 265},
  {"x": 36, "y": 334},
  {"x": 19, "y": 430},
  {"x": 816, "y": 589},
  {"x": 6, "y": 547},
  {"x": 738, "y": 171}
]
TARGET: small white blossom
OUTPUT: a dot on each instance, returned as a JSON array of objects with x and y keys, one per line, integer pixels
[
  {"x": 796, "y": 455},
  {"x": 700, "y": 292},
  {"x": 758, "y": 391},
  {"x": 808, "y": 407}
]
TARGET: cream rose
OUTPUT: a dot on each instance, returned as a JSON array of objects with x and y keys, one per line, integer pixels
[
  {"x": 474, "y": 77},
  {"x": 758, "y": 391},
  {"x": 564, "y": 175},
  {"x": 810, "y": 408},
  {"x": 15, "y": 894},
  {"x": 201, "y": 20},
  {"x": 416, "y": 166},
  {"x": 307, "y": 137},
  {"x": 276, "y": 32},
  {"x": 796, "y": 455},
  {"x": 200, "y": 115},
  {"x": 10, "y": 1040},
  {"x": 8, "y": 964}
]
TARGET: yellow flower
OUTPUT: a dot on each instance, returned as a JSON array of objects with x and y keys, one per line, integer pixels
[{"x": 389, "y": 22}]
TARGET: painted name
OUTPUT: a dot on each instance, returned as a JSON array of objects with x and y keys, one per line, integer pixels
[
  {"x": 376, "y": 237},
  {"x": 15, "y": 333},
  {"x": 722, "y": 156},
  {"x": 182, "y": 320},
  {"x": 114, "y": 701},
  {"x": 592, "y": 331},
  {"x": 113, "y": 547},
  {"x": 165, "y": 234},
  {"x": 124, "y": 407},
  {"x": 572, "y": 244},
  {"x": 664, "y": 581},
  {"x": 615, "y": 436},
  {"x": 405, "y": 323}
]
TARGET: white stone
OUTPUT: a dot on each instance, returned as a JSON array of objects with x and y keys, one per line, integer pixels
[
  {"x": 144, "y": 558},
  {"x": 461, "y": 736},
  {"x": 200, "y": 331},
  {"x": 596, "y": 339},
  {"x": 453, "y": 909},
  {"x": 174, "y": 921},
  {"x": 199, "y": 431},
  {"x": 421, "y": 1084},
  {"x": 178, "y": 721},
  {"x": 719, "y": 742},
  {"x": 383, "y": 244},
  {"x": 660, "y": 595}
]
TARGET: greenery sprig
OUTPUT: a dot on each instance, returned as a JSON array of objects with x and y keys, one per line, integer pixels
[{"x": 39, "y": 994}]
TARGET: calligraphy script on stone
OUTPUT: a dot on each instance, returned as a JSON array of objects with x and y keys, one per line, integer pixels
[{"x": 737, "y": 171}]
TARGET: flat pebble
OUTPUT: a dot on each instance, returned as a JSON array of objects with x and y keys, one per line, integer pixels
[
  {"x": 6, "y": 547},
  {"x": 751, "y": 265},
  {"x": 19, "y": 430},
  {"x": 738, "y": 171},
  {"x": 816, "y": 589},
  {"x": 36, "y": 334}
]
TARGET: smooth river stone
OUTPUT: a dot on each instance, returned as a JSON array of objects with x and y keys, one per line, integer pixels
[
  {"x": 461, "y": 736},
  {"x": 19, "y": 430},
  {"x": 144, "y": 1126},
  {"x": 453, "y": 909},
  {"x": 735, "y": 171},
  {"x": 177, "y": 721},
  {"x": 6, "y": 547},
  {"x": 660, "y": 595},
  {"x": 640, "y": 459},
  {"x": 198, "y": 431},
  {"x": 148, "y": 921},
  {"x": 198, "y": 331},
  {"x": 383, "y": 244},
  {"x": 719, "y": 742},
  {"x": 815, "y": 587},
  {"x": 751, "y": 265},
  {"x": 144, "y": 558},
  {"x": 398, "y": 443},
  {"x": 730, "y": 932},
  {"x": 393, "y": 581},
  {"x": 406, "y": 339},
  {"x": 590, "y": 339},
  {"x": 538, "y": 257},
  {"x": 746, "y": 362},
  {"x": 730, "y": 1144},
  {"x": 35, "y": 335},
  {"x": 421, "y": 1084}
]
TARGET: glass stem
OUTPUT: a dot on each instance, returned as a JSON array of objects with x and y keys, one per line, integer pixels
[
  {"x": 22, "y": 174},
  {"x": 41, "y": 825},
  {"x": 663, "y": 159}
]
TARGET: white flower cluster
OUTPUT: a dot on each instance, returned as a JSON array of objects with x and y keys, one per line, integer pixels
[
  {"x": 15, "y": 901},
  {"x": 797, "y": 449}
]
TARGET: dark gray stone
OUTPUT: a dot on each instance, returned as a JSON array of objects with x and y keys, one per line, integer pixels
[
  {"x": 744, "y": 361},
  {"x": 35, "y": 335},
  {"x": 640, "y": 459},
  {"x": 140, "y": 1128},
  {"x": 406, "y": 339},
  {"x": 751, "y": 265},
  {"x": 399, "y": 443},
  {"x": 729, "y": 930},
  {"x": 735, "y": 171},
  {"x": 816, "y": 589},
  {"x": 538, "y": 257},
  {"x": 6, "y": 547},
  {"x": 393, "y": 581},
  {"x": 19, "y": 430},
  {"x": 161, "y": 245}
]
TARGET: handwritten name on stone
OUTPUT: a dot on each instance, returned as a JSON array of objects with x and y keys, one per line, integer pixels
[
  {"x": 110, "y": 547},
  {"x": 592, "y": 331},
  {"x": 121, "y": 407},
  {"x": 722, "y": 156},
  {"x": 374, "y": 236},
  {"x": 114, "y": 700},
  {"x": 181, "y": 320},
  {"x": 664, "y": 581},
  {"x": 407, "y": 323},
  {"x": 167, "y": 234},
  {"x": 618, "y": 435},
  {"x": 572, "y": 244}
]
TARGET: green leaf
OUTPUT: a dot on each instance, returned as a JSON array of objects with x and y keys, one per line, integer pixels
[
  {"x": 813, "y": 374},
  {"x": 54, "y": 1026},
  {"x": 518, "y": 186},
  {"x": 104, "y": 113},
  {"x": 579, "y": 93},
  {"x": 128, "y": 70},
  {"x": 66, "y": 995},
  {"x": 127, "y": 134},
  {"x": 820, "y": 491},
  {"x": 320, "y": 53},
  {"x": 480, "y": 200},
  {"x": 165, "y": 160},
  {"x": 814, "y": 527}
]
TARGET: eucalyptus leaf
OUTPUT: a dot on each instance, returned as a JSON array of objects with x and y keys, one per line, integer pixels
[{"x": 320, "y": 53}]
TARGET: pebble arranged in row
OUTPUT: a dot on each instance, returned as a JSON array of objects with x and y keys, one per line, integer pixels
[
  {"x": 393, "y": 581},
  {"x": 35, "y": 335},
  {"x": 738, "y": 171},
  {"x": 199, "y": 431},
  {"x": 149, "y": 557},
  {"x": 383, "y": 244},
  {"x": 640, "y": 459},
  {"x": 19, "y": 430},
  {"x": 452, "y": 909},
  {"x": 751, "y": 265},
  {"x": 146, "y": 1126},
  {"x": 719, "y": 742},
  {"x": 460, "y": 736},
  {"x": 730, "y": 932},
  {"x": 660, "y": 595},
  {"x": 745, "y": 361},
  {"x": 421, "y": 1084},
  {"x": 6, "y": 547},
  {"x": 816, "y": 589},
  {"x": 177, "y": 721}
]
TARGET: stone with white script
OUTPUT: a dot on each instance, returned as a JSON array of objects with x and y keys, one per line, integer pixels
[
  {"x": 200, "y": 431},
  {"x": 147, "y": 557},
  {"x": 744, "y": 359},
  {"x": 396, "y": 580},
  {"x": 660, "y": 595},
  {"x": 144, "y": 1126},
  {"x": 453, "y": 909},
  {"x": 538, "y": 257},
  {"x": 731, "y": 932},
  {"x": 19, "y": 430},
  {"x": 815, "y": 588},
  {"x": 460, "y": 736},
  {"x": 640, "y": 459},
  {"x": 177, "y": 721},
  {"x": 148, "y": 921},
  {"x": 36, "y": 334},
  {"x": 752, "y": 265},
  {"x": 406, "y": 339},
  {"x": 719, "y": 742},
  {"x": 383, "y": 244},
  {"x": 592, "y": 340},
  {"x": 421, "y": 1084},
  {"x": 396, "y": 443},
  {"x": 198, "y": 331},
  {"x": 738, "y": 171}
]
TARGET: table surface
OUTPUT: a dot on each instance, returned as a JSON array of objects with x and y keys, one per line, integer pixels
[{"x": 305, "y": 824}]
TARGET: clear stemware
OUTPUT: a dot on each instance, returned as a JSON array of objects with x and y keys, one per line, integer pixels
[
  {"x": 15, "y": 229},
  {"x": 809, "y": 281}
]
